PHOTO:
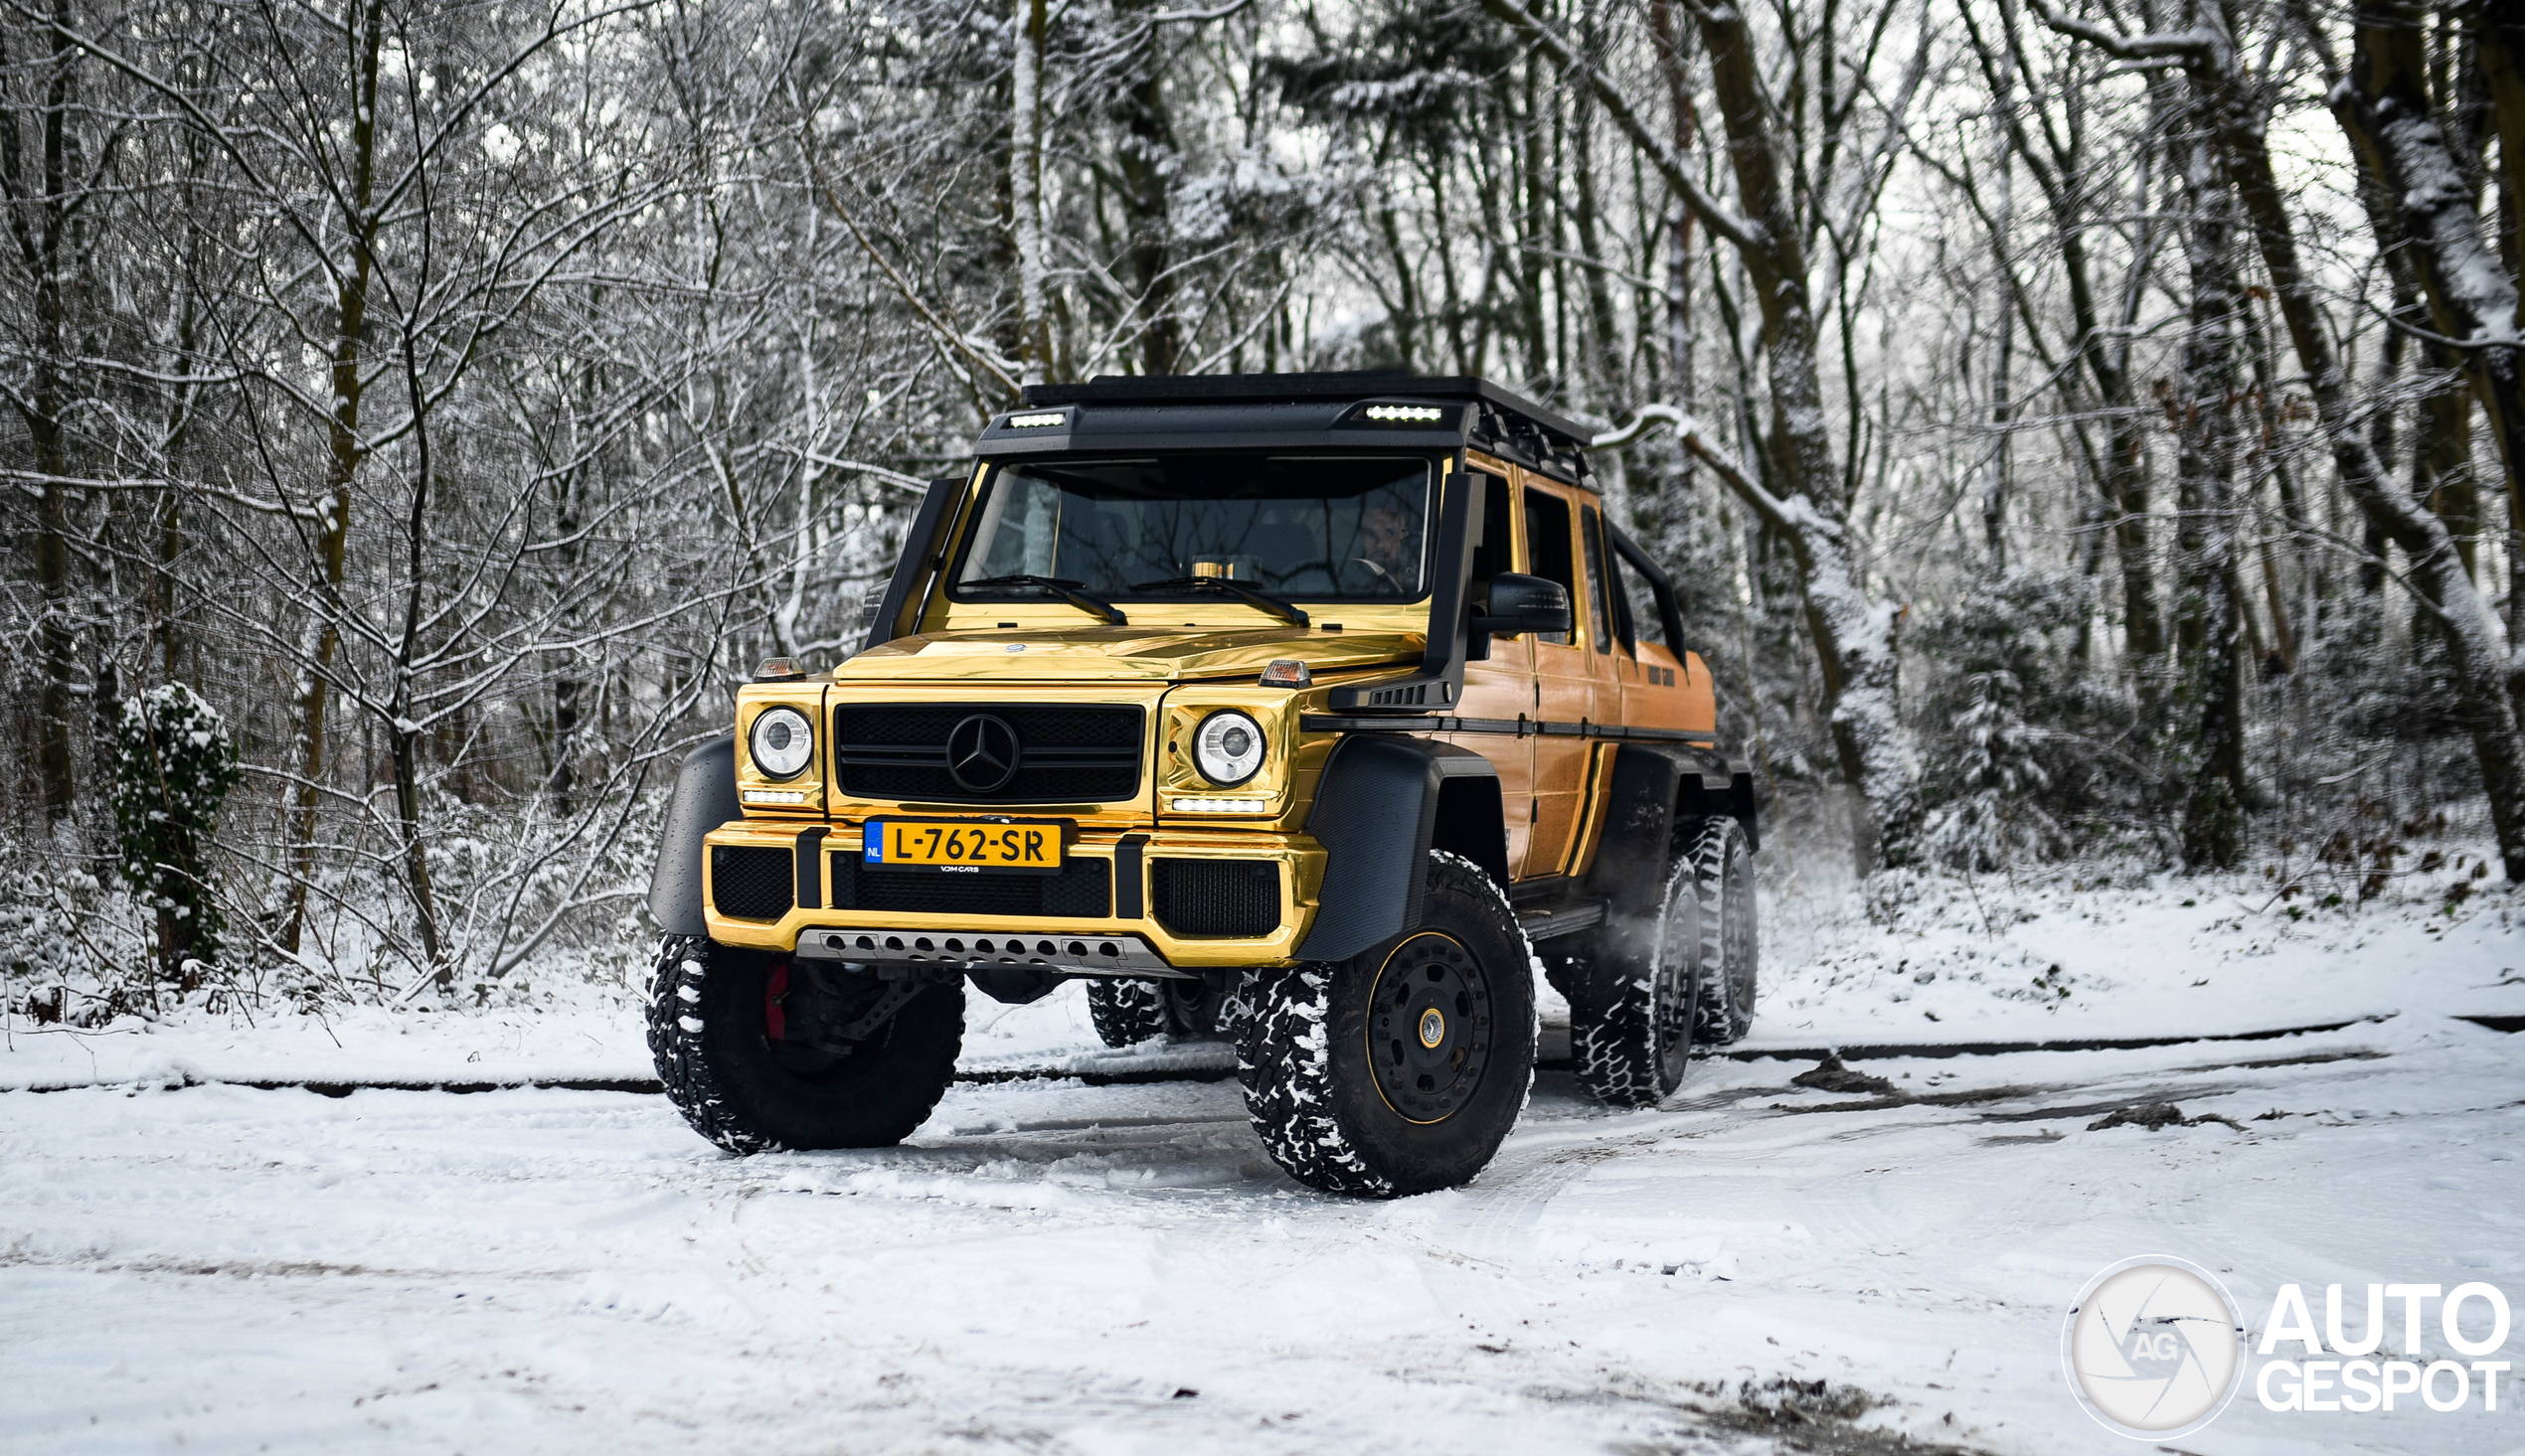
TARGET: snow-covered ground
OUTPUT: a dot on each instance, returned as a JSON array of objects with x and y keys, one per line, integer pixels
[{"x": 1052, "y": 1266}]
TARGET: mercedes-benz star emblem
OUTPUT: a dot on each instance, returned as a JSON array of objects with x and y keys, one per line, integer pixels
[{"x": 982, "y": 753}]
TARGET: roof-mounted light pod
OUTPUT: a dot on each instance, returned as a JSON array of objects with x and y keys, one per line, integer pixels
[
  {"x": 1042, "y": 421},
  {"x": 1404, "y": 414}
]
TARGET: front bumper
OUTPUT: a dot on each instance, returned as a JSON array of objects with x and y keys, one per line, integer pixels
[{"x": 1117, "y": 943}]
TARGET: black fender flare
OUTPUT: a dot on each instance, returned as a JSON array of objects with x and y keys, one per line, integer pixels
[
  {"x": 1650, "y": 785},
  {"x": 1654, "y": 789},
  {"x": 705, "y": 798},
  {"x": 1384, "y": 800}
]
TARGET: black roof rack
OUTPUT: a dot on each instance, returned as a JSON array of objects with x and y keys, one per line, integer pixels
[{"x": 1549, "y": 438}]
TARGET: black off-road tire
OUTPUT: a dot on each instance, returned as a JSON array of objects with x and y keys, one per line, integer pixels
[
  {"x": 739, "y": 1087},
  {"x": 1723, "y": 864},
  {"x": 1127, "y": 1013},
  {"x": 1325, "y": 1062},
  {"x": 1631, "y": 1022}
]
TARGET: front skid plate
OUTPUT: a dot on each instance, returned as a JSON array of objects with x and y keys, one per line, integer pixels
[{"x": 1067, "y": 954}]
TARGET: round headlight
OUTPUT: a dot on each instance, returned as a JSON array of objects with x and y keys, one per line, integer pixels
[
  {"x": 1228, "y": 748},
  {"x": 782, "y": 743}
]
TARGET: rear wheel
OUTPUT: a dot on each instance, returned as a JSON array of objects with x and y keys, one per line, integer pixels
[
  {"x": 1630, "y": 1025},
  {"x": 1722, "y": 868},
  {"x": 761, "y": 1053},
  {"x": 1127, "y": 1013},
  {"x": 1401, "y": 1069}
]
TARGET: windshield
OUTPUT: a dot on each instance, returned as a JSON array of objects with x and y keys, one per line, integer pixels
[{"x": 1314, "y": 529}]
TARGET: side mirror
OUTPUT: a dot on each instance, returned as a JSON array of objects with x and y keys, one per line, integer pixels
[{"x": 1520, "y": 604}]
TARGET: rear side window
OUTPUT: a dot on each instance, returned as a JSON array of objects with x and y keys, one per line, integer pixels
[
  {"x": 1549, "y": 552},
  {"x": 1596, "y": 579},
  {"x": 1639, "y": 619}
]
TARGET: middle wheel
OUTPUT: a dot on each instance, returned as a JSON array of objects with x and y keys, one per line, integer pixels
[
  {"x": 1401, "y": 1069},
  {"x": 1630, "y": 1025},
  {"x": 1127, "y": 1013}
]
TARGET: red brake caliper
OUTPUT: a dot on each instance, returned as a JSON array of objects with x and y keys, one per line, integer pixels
[{"x": 775, "y": 1022}]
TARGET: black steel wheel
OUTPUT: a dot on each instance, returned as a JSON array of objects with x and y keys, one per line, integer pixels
[
  {"x": 1403, "y": 1069},
  {"x": 1630, "y": 1028},
  {"x": 1430, "y": 1029},
  {"x": 1731, "y": 951}
]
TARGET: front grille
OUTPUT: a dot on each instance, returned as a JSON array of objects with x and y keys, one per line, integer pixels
[
  {"x": 1238, "y": 898},
  {"x": 1067, "y": 755},
  {"x": 751, "y": 883},
  {"x": 1083, "y": 891}
]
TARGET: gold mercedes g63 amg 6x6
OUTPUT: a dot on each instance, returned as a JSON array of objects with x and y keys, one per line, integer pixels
[{"x": 1309, "y": 710}]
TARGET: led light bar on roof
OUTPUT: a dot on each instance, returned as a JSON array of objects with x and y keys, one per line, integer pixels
[
  {"x": 1405, "y": 413},
  {"x": 1038, "y": 421}
]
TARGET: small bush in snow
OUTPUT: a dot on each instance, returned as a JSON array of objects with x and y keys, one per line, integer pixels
[{"x": 174, "y": 764}]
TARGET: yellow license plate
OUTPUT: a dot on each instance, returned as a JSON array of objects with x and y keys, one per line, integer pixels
[{"x": 961, "y": 844}]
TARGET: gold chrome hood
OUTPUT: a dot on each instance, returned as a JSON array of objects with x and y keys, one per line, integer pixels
[{"x": 1122, "y": 654}]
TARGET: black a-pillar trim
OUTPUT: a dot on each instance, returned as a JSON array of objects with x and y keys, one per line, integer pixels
[{"x": 1439, "y": 683}]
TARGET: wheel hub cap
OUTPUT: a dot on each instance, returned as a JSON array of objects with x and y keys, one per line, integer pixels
[{"x": 1429, "y": 1027}]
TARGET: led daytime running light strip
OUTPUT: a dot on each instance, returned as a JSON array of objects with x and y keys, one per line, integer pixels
[{"x": 1222, "y": 806}]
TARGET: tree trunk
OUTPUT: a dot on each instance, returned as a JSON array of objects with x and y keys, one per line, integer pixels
[
  {"x": 2384, "y": 105},
  {"x": 2213, "y": 811},
  {"x": 39, "y": 218},
  {"x": 1532, "y": 275},
  {"x": 1025, "y": 195},
  {"x": 345, "y": 451},
  {"x": 1147, "y": 161}
]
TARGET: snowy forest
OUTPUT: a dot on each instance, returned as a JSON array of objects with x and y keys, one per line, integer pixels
[{"x": 2086, "y": 430}]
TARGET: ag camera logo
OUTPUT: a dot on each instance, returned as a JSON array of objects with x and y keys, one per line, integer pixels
[{"x": 2154, "y": 1346}]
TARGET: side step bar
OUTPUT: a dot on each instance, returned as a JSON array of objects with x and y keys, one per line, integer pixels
[{"x": 1561, "y": 921}]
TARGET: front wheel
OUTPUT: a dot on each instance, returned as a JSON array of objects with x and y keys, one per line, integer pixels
[
  {"x": 760, "y": 1053},
  {"x": 1401, "y": 1069}
]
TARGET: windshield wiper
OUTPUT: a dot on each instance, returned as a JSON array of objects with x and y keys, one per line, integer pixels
[
  {"x": 1252, "y": 596},
  {"x": 1068, "y": 590}
]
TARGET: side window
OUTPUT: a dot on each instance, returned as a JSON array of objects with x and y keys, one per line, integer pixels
[
  {"x": 1637, "y": 603},
  {"x": 1547, "y": 549},
  {"x": 1596, "y": 579}
]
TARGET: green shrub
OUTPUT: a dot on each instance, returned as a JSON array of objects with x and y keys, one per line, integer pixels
[{"x": 174, "y": 764}]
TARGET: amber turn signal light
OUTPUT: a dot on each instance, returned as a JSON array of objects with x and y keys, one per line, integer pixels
[{"x": 1287, "y": 672}]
